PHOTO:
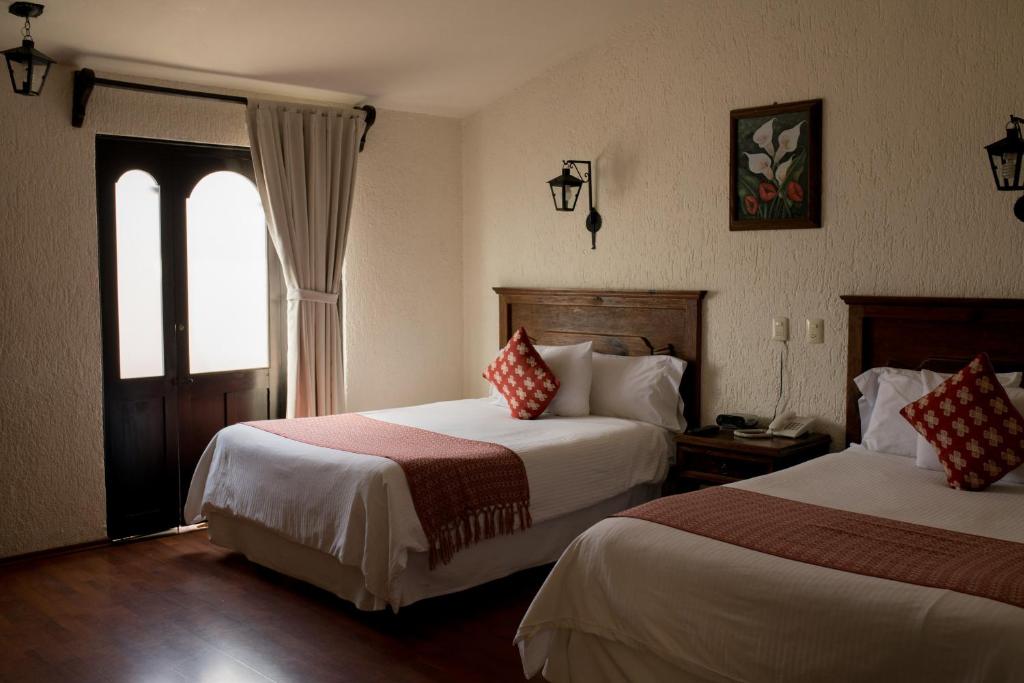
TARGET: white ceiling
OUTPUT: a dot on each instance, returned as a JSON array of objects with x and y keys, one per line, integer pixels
[{"x": 447, "y": 57}]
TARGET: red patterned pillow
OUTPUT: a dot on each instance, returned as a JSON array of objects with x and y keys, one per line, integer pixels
[
  {"x": 522, "y": 377},
  {"x": 978, "y": 433}
]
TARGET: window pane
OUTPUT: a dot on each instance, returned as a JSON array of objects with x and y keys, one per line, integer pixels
[
  {"x": 140, "y": 309},
  {"x": 227, "y": 275}
]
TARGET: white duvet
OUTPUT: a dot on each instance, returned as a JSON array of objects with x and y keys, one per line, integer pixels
[
  {"x": 357, "y": 508},
  {"x": 634, "y": 600}
]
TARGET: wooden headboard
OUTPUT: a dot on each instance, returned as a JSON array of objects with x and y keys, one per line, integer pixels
[
  {"x": 625, "y": 323},
  {"x": 940, "y": 334}
]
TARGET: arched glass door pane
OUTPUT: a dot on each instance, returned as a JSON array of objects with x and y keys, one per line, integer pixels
[
  {"x": 140, "y": 309},
  {"x": 227, "y": 275}
]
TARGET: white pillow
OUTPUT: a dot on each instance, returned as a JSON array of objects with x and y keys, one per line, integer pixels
[
  {"x": 572, "y": 366},
  {"x": 887, "y": 431},
  {"x": 644, "y": 388},
  {"x": 928, "y": 458},
  {"x": 868, "y": 384}
]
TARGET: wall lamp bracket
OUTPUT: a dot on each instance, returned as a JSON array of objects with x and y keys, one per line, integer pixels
[
  {"x": 1006, "y": 157},
  {"x": 565, "y": 190}
]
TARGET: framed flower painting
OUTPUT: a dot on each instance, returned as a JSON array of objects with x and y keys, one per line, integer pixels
[{"x": 775, "y": 167}]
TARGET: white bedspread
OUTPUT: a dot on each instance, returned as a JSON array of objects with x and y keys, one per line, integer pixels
[
  {"x": 357, "y": 507},
  {"x": 634, "y": 600}
]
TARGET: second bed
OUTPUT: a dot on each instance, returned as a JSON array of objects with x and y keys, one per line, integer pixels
[{"x": 346, "y": 521}]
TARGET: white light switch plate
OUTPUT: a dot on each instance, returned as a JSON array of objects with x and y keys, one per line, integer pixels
[
  {"x": 815, "y": 331},
  {"x": 780, "y": 329}
]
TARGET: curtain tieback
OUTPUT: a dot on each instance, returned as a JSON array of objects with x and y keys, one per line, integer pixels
[{"x": 312, "y": 295}]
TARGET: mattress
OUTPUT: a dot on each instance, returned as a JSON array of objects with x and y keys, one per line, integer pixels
[
  {"x": 634, "y": 600},
  {"x": 356, "y": 508}
]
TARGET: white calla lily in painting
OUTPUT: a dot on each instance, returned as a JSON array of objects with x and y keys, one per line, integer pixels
[
  {"x": 760, "y": 164},
  {"x": 787, "y": 141},
  {"x": 783, "y": 170},
  {"x": 763, "y": 137}
]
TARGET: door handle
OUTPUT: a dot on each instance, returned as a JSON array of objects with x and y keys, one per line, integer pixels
[{"x": 180, "y": 327}]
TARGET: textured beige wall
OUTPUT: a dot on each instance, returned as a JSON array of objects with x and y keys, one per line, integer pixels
[
  {"x": 51, "y": 442},
  {"x": 403, "y": 270},
  {"x": 912, "y": 91}
]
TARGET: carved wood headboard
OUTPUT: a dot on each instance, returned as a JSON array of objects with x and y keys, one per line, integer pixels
[
  {"x": 940, "y": 334},
  {"x": 626, "y": 323}
]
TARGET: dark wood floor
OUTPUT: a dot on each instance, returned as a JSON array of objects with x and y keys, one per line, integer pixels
[{"x": 178, "y": 608}]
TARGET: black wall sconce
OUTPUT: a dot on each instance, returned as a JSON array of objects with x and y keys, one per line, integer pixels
[
  {"x": 565, "y": 190},
  {"x": 1005, "y": 156},
  {"x": 27, "y": 66}
]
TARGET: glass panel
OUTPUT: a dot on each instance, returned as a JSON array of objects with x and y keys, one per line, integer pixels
[
  {"x": 39, "y": 77},
  {"x": 140, "y": 308},
  {"x": 227, "y": 275},
  {"x": 571, "y": 194},
  {"x": 19, "y": 74},
  {"x": 1009, "y": 169}
]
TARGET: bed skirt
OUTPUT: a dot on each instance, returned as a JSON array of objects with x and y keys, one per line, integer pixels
[
  {"x": 486, "y": 561},
  {"x": 571, "y": 656}
]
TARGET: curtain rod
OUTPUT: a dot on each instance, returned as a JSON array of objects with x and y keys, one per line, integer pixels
[{"x": 86, "y": 80}]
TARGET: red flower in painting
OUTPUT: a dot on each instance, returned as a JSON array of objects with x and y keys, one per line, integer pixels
[
  {"x": 795, "y": 191},
  {"x": 767, "y": 191},
  {"x": 750, "y": 204}
]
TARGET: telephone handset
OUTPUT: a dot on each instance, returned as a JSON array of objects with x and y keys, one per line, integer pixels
[{"x": 790, "y": 426}]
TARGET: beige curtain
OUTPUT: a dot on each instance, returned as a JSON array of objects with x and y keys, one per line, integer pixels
[{"x": 305, "y": 161}]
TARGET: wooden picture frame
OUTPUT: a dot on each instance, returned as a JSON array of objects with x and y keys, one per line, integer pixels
[{"x": 766, "y": 144}]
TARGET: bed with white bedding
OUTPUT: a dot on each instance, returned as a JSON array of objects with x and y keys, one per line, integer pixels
[
  {"x": 638, "y": 601},
  {"x": 346, "y": 521},
  {"x": 635, "y": 600},
  {"x": 356, "y": 509}
]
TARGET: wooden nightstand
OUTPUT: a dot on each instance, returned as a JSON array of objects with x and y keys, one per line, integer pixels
[{"x": 720, "y": 459}]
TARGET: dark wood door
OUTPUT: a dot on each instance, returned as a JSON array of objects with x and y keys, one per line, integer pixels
[{"x": 192, "y": 314}]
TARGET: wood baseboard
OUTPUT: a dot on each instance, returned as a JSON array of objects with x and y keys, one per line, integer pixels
[
  {"x": 54, "y": 552},
  {"x": 93, "y": 545}
]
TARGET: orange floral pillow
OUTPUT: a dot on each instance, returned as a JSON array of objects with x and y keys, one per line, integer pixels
[{"x": 522, "y": 377}]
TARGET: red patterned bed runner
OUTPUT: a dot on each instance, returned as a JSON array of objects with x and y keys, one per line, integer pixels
[
  {"x": 848, "y": 541},
  {"x": 464, "y": 491}
]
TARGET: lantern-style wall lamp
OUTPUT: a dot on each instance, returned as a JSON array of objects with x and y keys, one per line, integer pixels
[
  {"x": 27, "y": 66},
  {"x": 1006, "y": 156},
  {"x": 565, "y": 190}
]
